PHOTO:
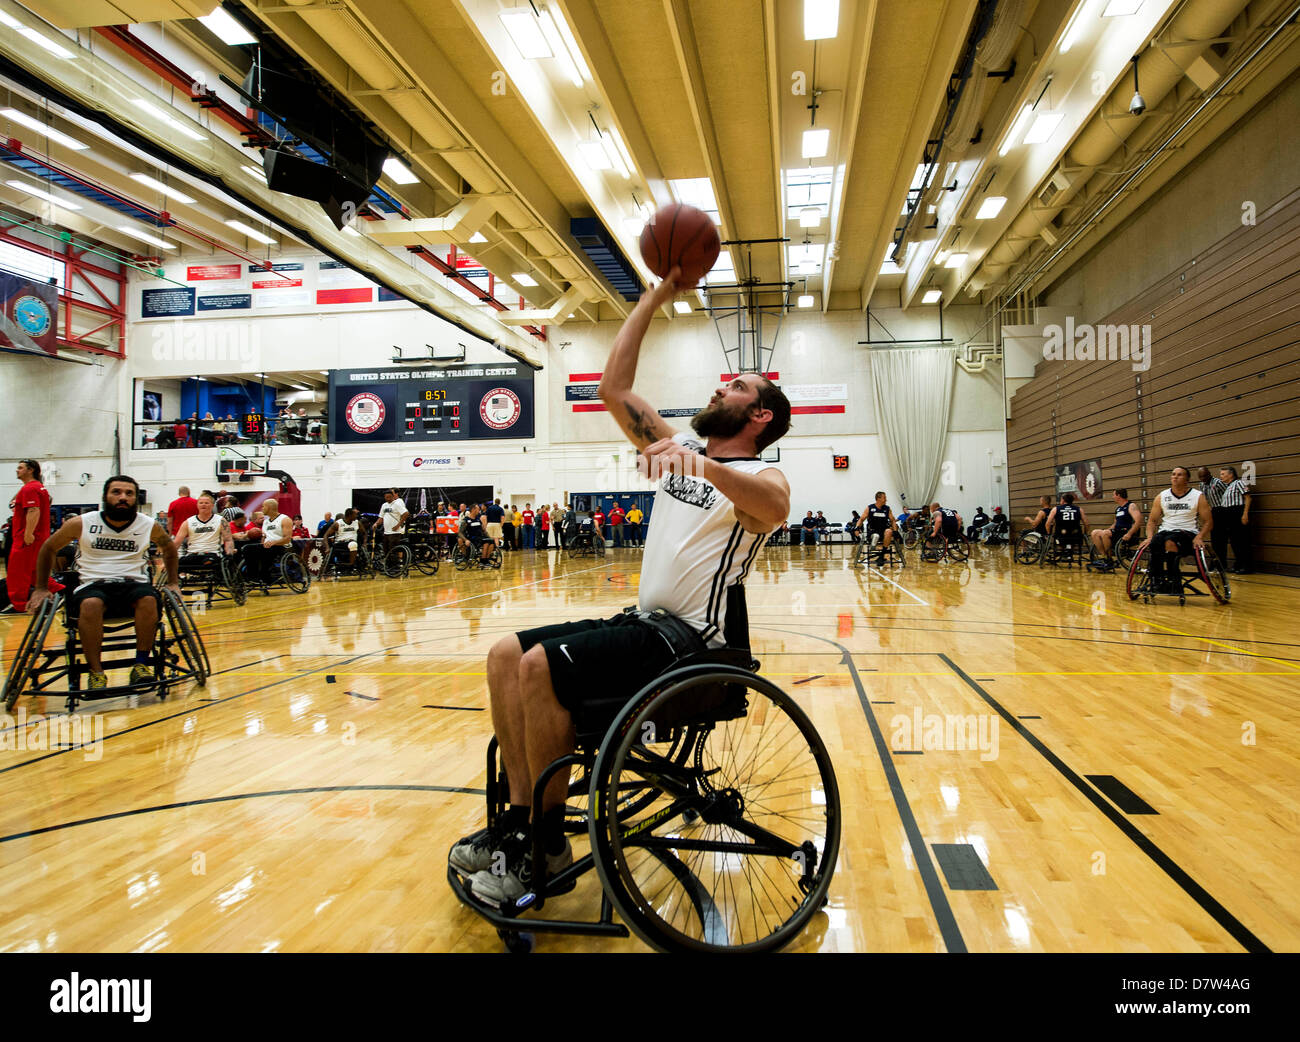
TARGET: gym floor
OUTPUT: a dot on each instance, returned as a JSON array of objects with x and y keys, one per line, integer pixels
[{"x": 1028, "y": 761}]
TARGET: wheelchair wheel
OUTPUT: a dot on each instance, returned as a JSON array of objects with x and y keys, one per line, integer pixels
[
  {"x": 233, "y": 577},
  {"x": 910, "y": 538},
  {"x": 732, "y": 844},
  {"x": 1138, "y": 582},
  {"x": 1213, "y": 575},
  {"x": 1030, "y": 548},
  {"x": 186, "y": 635},
  {"x": 957, "y": 549},
  {"x": 396, "y": 563},
  {"x": 425, "y": 558},
  {"x": 1123, "y": 551},
  {"x": 460, "y": 558},
  {"x": 29, "y": 649},
  {"x": 495, "y": 559},
  {"x": 295, "y": 575}
]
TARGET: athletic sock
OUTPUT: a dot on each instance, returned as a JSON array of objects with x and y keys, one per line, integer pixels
[
  {"x": 143, "y": 656},
  {"x": 553, "y": 830},
  {"x": 515, "y": 818}
]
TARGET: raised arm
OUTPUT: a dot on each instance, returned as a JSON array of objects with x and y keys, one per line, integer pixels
[
  {"x": 170, "y": 557},
  {"x": 637, "y": 418},
  {"x": 68, "y": 531}
]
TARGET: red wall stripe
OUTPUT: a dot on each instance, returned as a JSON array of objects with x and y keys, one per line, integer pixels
[
  {"x": 581, "y": 378},
  {"x": 805, "y": 409},
  {"x": 358, "y": 295},
  {"x": 590, "y": 407},
  {"x": 732, "y": 376}
]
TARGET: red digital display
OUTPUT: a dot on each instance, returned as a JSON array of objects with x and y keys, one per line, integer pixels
[{"x": 840, "y": 462}]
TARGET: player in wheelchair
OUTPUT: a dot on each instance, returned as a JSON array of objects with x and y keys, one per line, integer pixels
[
  {"x": 112, "y": 583},
  {"x": 882, "y": 539},
  {"x": 1066, "y": 523},
  {"x": 998, "y": 531},
  {"x": 944, "y": 537},
  {"x": 208, "y": 561},
  {"x": 1178, "y": 527},
  {"x": 346, "y": 546},
  {"x": 586, "y": 539},
  {"x": 1115, "y": 546},
  {"x": 272, "y": 562},
  {"x": 473, "y": 544},
  {"x": 687, "y": 798}
]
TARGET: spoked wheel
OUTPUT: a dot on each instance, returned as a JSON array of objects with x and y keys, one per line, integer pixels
[
  {"x": 1213, "y": 575},
  {"x": 1124, "y": 551},
  {"x": 957, "y": 549},
  {"x": 931, "y": 551},
  {"x": 1138, "y": 578},
  {"x": 295, "y": 575},
  {"x": 460, "y": 558},
  {"x": 1030, "y": 547},
  {"x": 186, "y": 635},
  {"x": 233, "y": 577},
  {"x": 735, "y": 831},
  {"x": 29, "y": 650},
  {"x": 495, "y": 559},
  {"x": 911, "y": 537},
  {"x": 425, "y": 558}
]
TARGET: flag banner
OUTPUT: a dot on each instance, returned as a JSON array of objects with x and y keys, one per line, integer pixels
[{"x": 30, "y": 316}]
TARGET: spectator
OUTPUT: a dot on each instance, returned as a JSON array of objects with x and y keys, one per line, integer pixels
[
  {"x": 853, "y": 527},
  {"x": 598, "y": 516},
  {"x": 809, "y": 526},
  {"x": 517, "y": 518},
  {"x": 28, "y": 529},
  {"x": 324, "y": 526},
  {"x": 494, "y": 512},
  {"x": 544, "y": 523},
  {"x": 508, "y": 526},
  {"x": 976, "y": 523},
  {"x": 530, "y": 527},
  {"x": 570, "y": 524},
  {"x": 182, "y": 508},
  {"x": 633, "y": 522},
  {"x": 616, "y": 516}
]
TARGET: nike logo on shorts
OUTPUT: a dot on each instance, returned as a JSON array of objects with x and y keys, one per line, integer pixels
[{"x": 565, "y": 649}]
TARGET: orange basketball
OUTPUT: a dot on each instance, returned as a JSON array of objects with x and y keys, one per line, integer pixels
[{"x": 684, "y": 237}]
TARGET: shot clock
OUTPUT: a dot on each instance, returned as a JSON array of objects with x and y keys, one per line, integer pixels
[{"x": 840, "y": 462}]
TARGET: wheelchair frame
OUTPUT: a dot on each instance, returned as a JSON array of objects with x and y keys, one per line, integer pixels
[
  {"x": 1209, "y": 570},
  {"x": 231, "y": 586},
  {"x": 623, "y": 776},
  {"x": 893, "y": 554},
  {"x": 289, "y": 562},
  {"x": 28, "y": 674},
  {"x": 956, "y": 550},
  {"x": 461, "y": 559},
  {"x": 586, "y": 544}
]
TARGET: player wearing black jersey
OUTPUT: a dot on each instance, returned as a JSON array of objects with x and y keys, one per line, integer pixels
[
  {"x": 1066, "y": 522},
  {"x": 1127, "y": 526},
  {"x": 880, "y": 527}
]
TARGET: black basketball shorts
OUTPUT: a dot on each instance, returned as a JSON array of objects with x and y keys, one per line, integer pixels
[{"x": 119, "y": 596}]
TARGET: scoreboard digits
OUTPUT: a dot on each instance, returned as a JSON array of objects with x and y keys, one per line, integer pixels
[{"x": 434, "y": 416}]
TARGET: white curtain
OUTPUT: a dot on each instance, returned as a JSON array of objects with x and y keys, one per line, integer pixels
[{"x": 912, "y": 388}]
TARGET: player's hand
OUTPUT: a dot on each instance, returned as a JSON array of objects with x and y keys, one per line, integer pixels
[
  {"x": 174, "y": 587},
  {"x": 38, "y": 595},
  {"x": 28, "y": 539},
  {"x": 667, "y": 456},
  {"x": 1198, "y": 542},
  {"x": 1143, "y": 545}
]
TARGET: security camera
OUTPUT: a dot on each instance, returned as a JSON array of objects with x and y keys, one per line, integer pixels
[{"x": 1137, "y": 106}]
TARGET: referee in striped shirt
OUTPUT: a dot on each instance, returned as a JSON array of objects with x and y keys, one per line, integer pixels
[{"x": 1230, "y": 508}]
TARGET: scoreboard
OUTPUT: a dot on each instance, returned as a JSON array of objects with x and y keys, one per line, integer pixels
[{"x": 432, "y": 403}]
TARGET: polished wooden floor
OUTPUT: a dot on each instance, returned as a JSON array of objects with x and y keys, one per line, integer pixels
[{"x": 305, "y": 799}]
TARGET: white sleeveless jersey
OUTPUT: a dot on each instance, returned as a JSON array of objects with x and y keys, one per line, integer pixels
[
  {"x": 392, "y": 515},
  {"x": 205, "y": 536},
  {"x": 1179, "y": 512},
  {"x": 104, "y": 552},
  {"x": 696, "y": 549},
  {"x": 280, "y": 528},
  {"x": 347, "y": 533}
]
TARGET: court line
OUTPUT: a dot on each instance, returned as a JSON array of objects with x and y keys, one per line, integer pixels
[
  {"x": 242, "y": 796},
  {"x": 1148, "y": 622},
  {"x": 1237, "y": 929},
  {"x": 943, "y": 914},
  {"x": 891, "y": 582}
]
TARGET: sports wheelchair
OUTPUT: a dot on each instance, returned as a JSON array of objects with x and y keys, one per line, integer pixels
[
  {"x": 1066, "y": 551},
  {"x": 1121, "y": 556},
  {"x": 464, "y": 556},
  {"x": 426, "y": 551},
  {"x": 265, "y": 572},
  {"x": 891, "y": 555},
  {"x": 586, "y": 544},
  {"x": 711, "y": 807},
  {"x": 178, "y": 655},
  {"x": 1205, "y": 568},
  {"x": 336, "y": 561},
  {"x": 216, "y": 576},
  {"x": 1030, "y": 548},
  {"x": 938, "y": 548}
]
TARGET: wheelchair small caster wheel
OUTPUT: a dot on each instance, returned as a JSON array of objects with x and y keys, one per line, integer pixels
[
  {"x": 517, "y": 942},
  {"x": 690, "y": 816},
  {"x": 1181, "y": 600}
]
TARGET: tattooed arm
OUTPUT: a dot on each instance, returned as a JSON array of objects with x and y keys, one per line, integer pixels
[{"x": 638, "y": 419}]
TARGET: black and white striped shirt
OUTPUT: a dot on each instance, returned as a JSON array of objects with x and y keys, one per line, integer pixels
[
  {"x": 1213, "y": 491},
  {"x": 1234, "y": 495}
]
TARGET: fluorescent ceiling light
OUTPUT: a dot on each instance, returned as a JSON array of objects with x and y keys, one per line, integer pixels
[
  {"x": 681, "y": 307},
  {"x": 809, "y": 267},
  {"x": 158, "y": 186},
  {"x": 558, "y": 50},
  {"x": 1044, "y": 127},
  {"x": 46, "y": 42},
  {"x": 226, "y": 29},
  {"x": 1074, "y": 29},
  {"x": 1118, "y": 8},
  {"x": 821, "y": 19},
  {"x": 478, "y": 237},
  {"x": 10, "y": 21},
  {"x": 252, "y": 171},
  {"x": 932, "y": 296},
  {"x": 1017, "y": 128},
  {"x": 955, "y": 260},
  {"x": 594, "y": 155},
  {"x": 622, "y": 158},
  {"x": 806, "y": 300},
  {"x": 890, "y": 268},
  {"x": 697, "y": 192},
  {"x": 174, "y": 123},
  {"x": 41, "y": 193},
  {"x": 523, "y": 278},
  {"x": 252, "y": 233},
  {"x": 35, "y": 124},
  {"x": 633, "y": 226},
  {"x": 526, "y": 32},
  {"x": 810, "y": 217},
  {"x": 398, "y": 172},
  {"x": 571, "y": 46},
  {"x": 153, "y": 240},
  {"x": 816, "y": 142},
  {"x": 941, "y": 256},
  {"x": 990, "y": 207}
]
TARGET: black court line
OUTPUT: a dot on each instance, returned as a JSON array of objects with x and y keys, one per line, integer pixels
[
  {"x": 805, "y": 680},
  {"x": 943, "y": 914},
  {"x": 909, "y": 752},
  {"x": 463, "y": 709},
  {"x": 1240, "y": 933},
  {"x": 1029, "y": 718},
  {"x": 963, "y": 867},
  {"x": 358, "y": 694},
  {"x": 242, "y": 796},
  {"x": 1121, "y": 795}
]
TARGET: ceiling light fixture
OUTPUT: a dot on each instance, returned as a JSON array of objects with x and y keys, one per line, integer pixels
[
  {"x": 252, "y": 233},
  {"x": 806, "y": 300},
  {"x": 526, "y": 32},
  {"x": 35, "y": 124},
  {"x": 990, "y": 207},
  {"x": 571, "y": 46},
  {"x": 227, "y": 29},
  {"x": 1119, "y": 8},
  {"x": 1043, "y": 127},
  {"x": 176, "y": 124},
  {"x": 158, "y": 186},
  {"x": 41, "y": 193},
  {"x": 1074, "y": 28},
  {"x": 523, "y": 278},
  {"x": 623, "y": 158},
  {"x": 810, "y": 217},
  {"x": 932, "y": 296},
  {"x": 594, "y": 155},
  {"x": 821, "y": 19},
  {"x": 816, "y": 142},
  {"x": 153, "y": 240},
  {"x": 398, "y": 172},
  {"x": 682, "y": 307},
  {"x": 558, "y": 50},
  {"x": 1017, "y": 128},
  {"x": 955, "y": 260}
]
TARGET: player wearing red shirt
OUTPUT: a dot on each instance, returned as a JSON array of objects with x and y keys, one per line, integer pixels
[
  {"x": 182, "y": 509},
  {"x": 29, "y": 529},
  {"x": 616, "y": 523},
  {"x": 530, "y": 532}
]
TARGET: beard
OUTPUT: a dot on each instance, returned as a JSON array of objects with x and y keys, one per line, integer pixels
[
  {"x": 121, "y": 513},
  {"x": 717, "y": 421}
]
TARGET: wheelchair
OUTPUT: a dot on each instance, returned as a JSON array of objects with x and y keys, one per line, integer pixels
[
  {"x": 217, "y": 577},
  {"x": 939, "y": 548},
  {"x": 1205, "y": 568},
  {"x": 426, "y": 554},
  {"x": 336, "y": 565},
  {"x": 287, "y": 570},
  {"x": 1065, "y": 551},
  {"x": 1031, "y": 547},
  {"x": 892, "y": 555},
  {"x": 393, "y": 561},
  {"x": 464, "y": 556},
  {"x": 994, "y": 534},
  {"x": 586, "y": 544},
  {"x": 711, "y": 807},
  {"x": 1121, "y": 556},
  {"x": 178, "y": 655}
]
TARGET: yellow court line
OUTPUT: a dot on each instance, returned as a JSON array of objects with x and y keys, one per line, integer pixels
[{"x": 1167, "y": 629}]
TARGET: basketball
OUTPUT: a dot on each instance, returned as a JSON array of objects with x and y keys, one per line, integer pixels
[
  {"x": 254, "y": 534},
  {"x": 684, "y": 237}
]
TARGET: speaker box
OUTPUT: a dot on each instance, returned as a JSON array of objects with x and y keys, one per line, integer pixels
[{"x": 294, "y": 175}]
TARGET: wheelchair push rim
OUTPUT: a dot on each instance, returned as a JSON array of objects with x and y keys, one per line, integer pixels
[
  {"x": 737, "y": 850},
  {"x": 33, "y": 643}
]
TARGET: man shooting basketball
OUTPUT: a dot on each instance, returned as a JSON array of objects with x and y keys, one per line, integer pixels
[{"x": 718, "y": 501}]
